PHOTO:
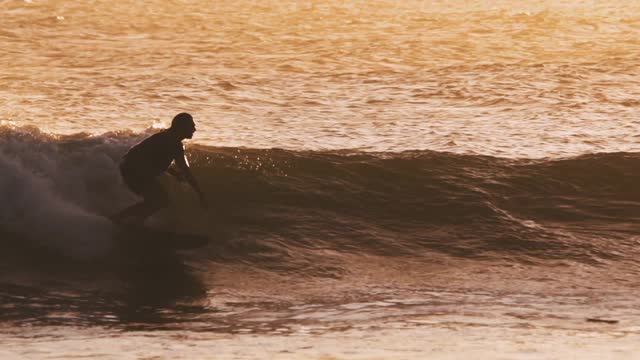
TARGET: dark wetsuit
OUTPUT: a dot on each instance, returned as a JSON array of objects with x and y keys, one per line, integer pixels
[{"x": 141, "y": 166}]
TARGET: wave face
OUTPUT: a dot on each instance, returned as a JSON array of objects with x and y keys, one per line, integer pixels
[{"x": 283, "y": 209}]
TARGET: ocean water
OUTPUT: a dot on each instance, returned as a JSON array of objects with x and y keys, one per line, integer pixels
[{"x": 403, "y": 180}]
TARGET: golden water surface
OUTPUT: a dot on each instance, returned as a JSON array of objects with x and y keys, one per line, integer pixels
[{"x": 507, "y": 78}]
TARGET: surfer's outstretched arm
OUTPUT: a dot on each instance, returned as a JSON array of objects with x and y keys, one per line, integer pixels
[{"x": 183, "y": 165}]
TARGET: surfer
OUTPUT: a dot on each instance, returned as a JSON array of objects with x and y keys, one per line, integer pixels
[{"x": 144, "y": 162}]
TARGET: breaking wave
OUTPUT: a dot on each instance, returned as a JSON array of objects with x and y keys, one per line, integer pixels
[{"x": 280, "y": 207}]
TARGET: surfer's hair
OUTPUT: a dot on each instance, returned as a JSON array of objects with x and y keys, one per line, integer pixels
[{"x": 181, "y": 120}]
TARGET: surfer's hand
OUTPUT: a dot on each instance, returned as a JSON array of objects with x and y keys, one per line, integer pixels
[
  {"x": 176, "y": 174},
  {"x": 179, "y": 177}
]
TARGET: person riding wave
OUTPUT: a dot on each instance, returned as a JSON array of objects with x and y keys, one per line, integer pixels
[{"x": 144, "y": 162}]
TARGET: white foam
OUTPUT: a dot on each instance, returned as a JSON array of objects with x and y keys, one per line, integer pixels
[{"x": 56, "y": 192}]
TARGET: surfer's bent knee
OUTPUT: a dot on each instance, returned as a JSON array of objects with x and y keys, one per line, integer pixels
[
  {"x": 156, "y": 196},
  {"x": 162, "y": 201}
]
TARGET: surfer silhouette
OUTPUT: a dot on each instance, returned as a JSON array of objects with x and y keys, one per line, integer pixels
[{"x": 144, "y": 162}]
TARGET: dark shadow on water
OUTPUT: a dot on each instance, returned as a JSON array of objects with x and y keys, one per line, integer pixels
[
  {"x": 133, "y": 289},
  {"x": 158, "y": 288}
]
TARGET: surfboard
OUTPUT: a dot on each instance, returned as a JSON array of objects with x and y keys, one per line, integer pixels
[{"x": 142, "y": 236}]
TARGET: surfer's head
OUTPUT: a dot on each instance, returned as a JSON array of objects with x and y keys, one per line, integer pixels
[{"x": 183, "y": 125}]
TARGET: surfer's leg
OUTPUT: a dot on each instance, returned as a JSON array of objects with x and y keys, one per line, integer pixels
[
  {"x": 130, "y": 214},
  {"x": 136, "y": 184},
  {"x": 155, "y": 198}
]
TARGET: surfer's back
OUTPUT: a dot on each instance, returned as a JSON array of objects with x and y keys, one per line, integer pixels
[{"x": 154, "y": 154}]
